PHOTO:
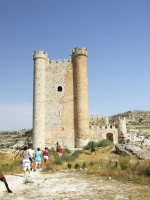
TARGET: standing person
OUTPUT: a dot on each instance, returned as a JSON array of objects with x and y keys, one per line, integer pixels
[
  {"x": 57, "y": 144},
  {"x": 38, "y": 159},
  {"x": 31, "y": 152},
  {"x": 59, "y": 151},
  {"x": 45, "y": 155},
  {"x": 93, "y": 148},
  {"x": 26, "y": 160}
]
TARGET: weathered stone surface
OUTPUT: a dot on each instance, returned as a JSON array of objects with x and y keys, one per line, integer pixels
[{"x": 132, "y": 150}]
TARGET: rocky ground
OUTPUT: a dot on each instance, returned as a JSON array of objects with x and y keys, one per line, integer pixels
[{"x": 71, "y": 185}]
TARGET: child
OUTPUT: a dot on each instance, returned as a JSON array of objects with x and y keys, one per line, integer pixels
[
  {"x": 59, "y": 151},
  {"x": 45, "y": 155}
]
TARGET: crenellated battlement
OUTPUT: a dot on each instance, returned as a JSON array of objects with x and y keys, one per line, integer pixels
[
  {"x": 59, "y": 61},
  {"x": 122, "y": 119},
  {"x": 96, "y": 127},
  {"x": 40, "y": 54},
  {"x": 79, "y": 51},
  {"x": 96, "y": 117}
]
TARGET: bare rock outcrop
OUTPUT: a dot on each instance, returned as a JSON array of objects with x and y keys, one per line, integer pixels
[{"x": 132, "y": 150}]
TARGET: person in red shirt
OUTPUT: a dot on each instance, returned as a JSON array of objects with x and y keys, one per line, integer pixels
[
  {"x": 45, "y": 155},
  {"x": 59, "y": 151}
]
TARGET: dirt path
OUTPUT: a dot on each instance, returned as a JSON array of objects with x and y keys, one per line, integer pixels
[{"x": 70, "y": 185}]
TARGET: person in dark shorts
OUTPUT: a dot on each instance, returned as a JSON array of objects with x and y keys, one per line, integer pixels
[
  {"x": 93, "y": 148},
  {"x": 31, "y": 152}
]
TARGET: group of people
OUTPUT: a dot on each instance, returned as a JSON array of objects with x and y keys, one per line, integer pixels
[{"x": 32, "y": 159}]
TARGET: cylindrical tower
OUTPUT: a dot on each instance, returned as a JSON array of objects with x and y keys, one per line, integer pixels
[
  {"x": 106, "y": 120},
  {"x": 40, "y": 59},
  {"x": 81, "y": 122},
  {"x": 122, "y": 127}
]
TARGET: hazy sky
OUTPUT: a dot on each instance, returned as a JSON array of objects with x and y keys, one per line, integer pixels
[{"x": 115, "y": 32}]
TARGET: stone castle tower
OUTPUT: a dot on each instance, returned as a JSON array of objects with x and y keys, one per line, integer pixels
[
  {"x": 122, "y": 127},
  {"x": 60, "y": 100}
]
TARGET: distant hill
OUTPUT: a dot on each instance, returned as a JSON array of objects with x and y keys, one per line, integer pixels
[
  {"x": 15, "y": 139},
  {"x": 137, "y": 121}
]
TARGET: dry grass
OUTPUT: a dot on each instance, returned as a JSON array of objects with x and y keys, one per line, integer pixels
[
  {"x": 104, "y": 163},
  {"x": 8, "y": 164}
]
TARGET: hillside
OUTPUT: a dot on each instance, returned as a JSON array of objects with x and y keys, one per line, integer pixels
[
  {"x": 137, "y": 121},
  {"x": 14, "y": 139}
]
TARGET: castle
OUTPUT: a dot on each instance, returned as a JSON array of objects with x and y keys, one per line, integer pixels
[{"x": 60, "y": 104}]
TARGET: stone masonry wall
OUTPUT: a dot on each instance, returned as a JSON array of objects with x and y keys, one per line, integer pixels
[
  {"x": 60, "y": 101},
  {"x": 59, "y": 124}
]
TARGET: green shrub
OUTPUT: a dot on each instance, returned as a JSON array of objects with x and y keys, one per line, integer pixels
[
  {"x": 5, "y": 168},
  {"x": 68, "y": 158},
  {"x": 104, "y": 143},
  {"x": 58, "y": 161},
  {"x": 116, "y": 164},
  {"x": 91, "y": 163},
  {"x": 76, "y": 153},
  {"x": 69, "y": 165},
  {"x": 77, "y": 166},
  {"x": 147, "y": 171},
  {"x": 53, "y": 152},
  {"x": 87, "y": 153},
  {"x": 26, "y": 181},
  {"x": 84, "y": 165},
  {"x": 66, "y": 150},
  {"x": 65, "y": 158},
  {"x": 124, "y": 161},
  {"x": 71, "y": 157},
  {"x": 89, "y": 145}
]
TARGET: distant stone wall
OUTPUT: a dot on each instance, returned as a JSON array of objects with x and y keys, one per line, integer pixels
[{"x": 105, "y": 132}]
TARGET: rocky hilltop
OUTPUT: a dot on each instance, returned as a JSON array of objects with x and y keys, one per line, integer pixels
[{"x": 137, "y": 121}]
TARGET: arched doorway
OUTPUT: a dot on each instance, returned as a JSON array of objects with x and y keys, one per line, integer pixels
[{"x": 109, "y": 136}]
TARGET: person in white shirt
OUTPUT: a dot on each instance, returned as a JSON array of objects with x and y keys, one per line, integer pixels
[{"x": 31, "y": 152}]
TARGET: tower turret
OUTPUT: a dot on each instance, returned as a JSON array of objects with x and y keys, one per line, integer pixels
[
  {"x": 79, "y": 61},
  {"x": 106, "y": 120},
  {"x": 122, "y": 127},
  {"x": 40, "y": 60}
]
